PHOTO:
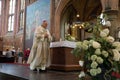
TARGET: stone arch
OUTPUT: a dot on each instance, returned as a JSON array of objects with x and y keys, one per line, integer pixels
[{"x": 58, "y": 12}]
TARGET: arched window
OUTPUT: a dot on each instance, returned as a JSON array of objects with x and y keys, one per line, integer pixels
[
  {"x": 11, "y": 17},
  {"x": 0, "y": 6},
  {"x": 22, "y": 14}
]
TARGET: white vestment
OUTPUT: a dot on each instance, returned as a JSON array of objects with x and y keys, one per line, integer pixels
[{"x": 40, "y": 51}]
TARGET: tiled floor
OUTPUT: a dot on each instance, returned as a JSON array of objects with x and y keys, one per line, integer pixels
[{"x": 21, "y": 72}]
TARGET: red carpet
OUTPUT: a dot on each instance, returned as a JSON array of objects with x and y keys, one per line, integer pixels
[{"x": 19, "y": 64}]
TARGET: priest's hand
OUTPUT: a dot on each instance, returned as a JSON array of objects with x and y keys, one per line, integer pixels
[{"x": 46, "y": 35}]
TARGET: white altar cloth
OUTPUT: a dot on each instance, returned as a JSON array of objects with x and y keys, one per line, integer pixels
[{"x": 63, "y": 44}]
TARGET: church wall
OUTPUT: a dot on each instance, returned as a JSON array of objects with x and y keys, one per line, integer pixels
[
  {"x": 15, "y": 38},
  {"x": 8, "y": 42}
]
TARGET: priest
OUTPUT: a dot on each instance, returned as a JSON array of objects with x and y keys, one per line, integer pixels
[{"x": 39, "y": 58}]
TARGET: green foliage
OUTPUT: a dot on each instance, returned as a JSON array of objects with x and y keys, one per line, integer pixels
[
  {"x": 69, "y": 37},
  {"x": 105, "y": 44},
  {"x": 99, "y": 52},
  {"x": 76, "y": 51}
]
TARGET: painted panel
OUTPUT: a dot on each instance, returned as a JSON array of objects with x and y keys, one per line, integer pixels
[{"x": 35, "y": 14}]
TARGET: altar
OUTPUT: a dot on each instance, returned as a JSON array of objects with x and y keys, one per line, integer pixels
[{"x": 62, "y": 58}]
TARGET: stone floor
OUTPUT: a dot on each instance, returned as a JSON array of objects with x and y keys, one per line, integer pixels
[{"x": 10, "y": 71}]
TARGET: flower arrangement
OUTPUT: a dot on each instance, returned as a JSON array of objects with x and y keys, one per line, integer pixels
[
  {"x": 69, "y": 37},
  {"x": 100, "y": 54}
]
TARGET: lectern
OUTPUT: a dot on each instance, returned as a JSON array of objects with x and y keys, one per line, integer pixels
[{"x": 61, "y": 56}]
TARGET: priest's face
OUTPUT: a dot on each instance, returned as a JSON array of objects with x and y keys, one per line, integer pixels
[{"x": 45, "y": 24}]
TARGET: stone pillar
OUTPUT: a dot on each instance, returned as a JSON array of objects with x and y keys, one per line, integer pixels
[
  {"x": 109, "y": 5},
  {"x": 52, "y": 14}
]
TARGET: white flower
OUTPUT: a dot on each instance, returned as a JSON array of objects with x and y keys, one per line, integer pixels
[
  {"x": 106, "y": 31},
  {"x": 105, "y": 53},
  {"x": 96, "y": 45},
  {"x": 96, "y": 71},
  {"x": 99, "y": 60},
  {"x": 84, "y": 46},
  {"x": 103, "y": 34},
  {"x": 91, "y": 41},
  {"x": 99, "y": 70},
  {"x": 94, "y": 64},
  {"x": 116, "y": 45},
  {"x": 118, "y": 48},
  {"x": 86, "y": 42},
  {"x": 97, "y": 51},
  {"x": 79, "y": 44},
  {"x": 108, "y": 23},
  {"x": 82, "y": 74},
  {"x": 93, "y": 72},
  {"x": 116, "y": 55},
  {"x": 81, "y": 63},
  {"x": 93, "y": 57},
  {"x": 110, "y": 39}
]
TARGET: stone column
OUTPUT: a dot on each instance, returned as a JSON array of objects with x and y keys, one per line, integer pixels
[
  {"x": 109, "y": 5},
  {"x": 52, "y": 18}
]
